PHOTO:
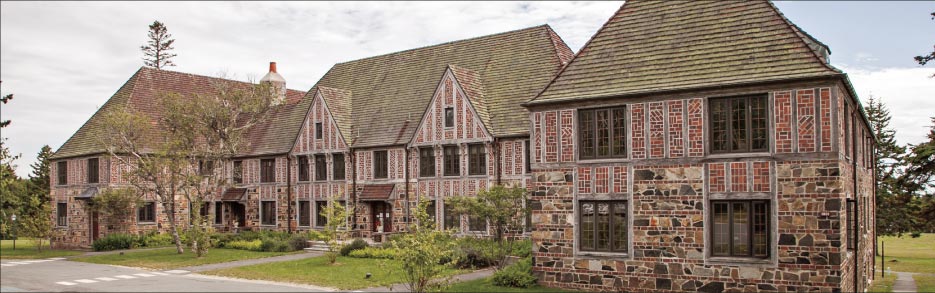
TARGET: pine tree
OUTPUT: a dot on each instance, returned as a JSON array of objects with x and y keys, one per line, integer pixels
[
  {"x": 5, "y": 99},
  {"x": 923, "y": 59},
  {"x": 39, "y": 179},
  {"x": 892, "y": 200},
  {"x": 919, "y": 181},
  {"x": 157, "y": 51}
]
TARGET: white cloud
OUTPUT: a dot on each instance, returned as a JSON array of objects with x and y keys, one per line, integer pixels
[
  {"x": 908, "y": 92},
  {"x": 62, "y": 60}
]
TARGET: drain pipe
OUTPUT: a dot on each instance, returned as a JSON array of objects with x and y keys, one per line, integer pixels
[
  {"x": 406, "y": 195},
  {"x": 496, "y": 153},
  {"x": 856, "y": 203},
  {"x": 289, "y": 209}
]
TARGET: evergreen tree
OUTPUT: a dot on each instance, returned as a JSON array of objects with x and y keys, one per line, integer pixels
[
  {"x": 39, "y": 179},
  {"x": 157, "y": 51},
  {"x": 893, "y": 203},
  {"x": 923, "y": 59},
  {"x": 919, "y": 181}
]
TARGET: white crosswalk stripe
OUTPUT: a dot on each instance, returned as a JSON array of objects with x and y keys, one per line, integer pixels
[
  {"x": 105, "y": 279},
  {"x": 159, "y": 273},
  {"x": 177, "y": 272},
  {"x": 86, "y": 281},
  {"x": 144, "y": 275},
  {"x": 19, "y": 263},
  {"x": 125, "y": 277},
  {"x": 66, "y": 283},
  {"x": 57, "y": 258},
  {"x": 8, "y": 265}
]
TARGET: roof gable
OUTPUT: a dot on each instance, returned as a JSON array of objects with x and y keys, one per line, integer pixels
[
  {"x": 389, "y": 90},
  {"x": 460, "y": 90},
  {"x": 143, "y": 93},
  {"x": 650, "y": 46}
]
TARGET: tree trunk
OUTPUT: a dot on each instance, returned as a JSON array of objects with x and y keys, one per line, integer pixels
[{"x": 172, "y": 225}]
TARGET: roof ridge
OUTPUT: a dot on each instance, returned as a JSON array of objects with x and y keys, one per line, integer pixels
[
  {"x": 445, "y": 43},
  {"x": 558, "y": 44},
  {"x": 154, "y": 70},
  {"x": 796, "y": 29},
  {"x": 580, "y": 51}
]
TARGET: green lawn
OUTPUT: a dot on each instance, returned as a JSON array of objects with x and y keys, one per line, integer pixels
[
  {"x": 26, "y": 249},
  {"x": 350, "y": 273},
  {"x": 167, "y": 258},
  {"x": 907, "y": 254},
  {"x": 925, "y": 282},
  {"x": 883, "y": 285},
  {"x": 485, "y": 285}
]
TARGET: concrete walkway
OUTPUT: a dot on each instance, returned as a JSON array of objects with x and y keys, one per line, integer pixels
[
  {"x": 904, "y": 283},
  {"x": 247, "y": 262},
  {"x": 479, "y": 274}
]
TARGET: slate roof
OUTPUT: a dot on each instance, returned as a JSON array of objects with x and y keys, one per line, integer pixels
[
  {"x": 143, "y": 92},
  {"x": 389, "y": 93},
  {"x": 649, "y": 46}
]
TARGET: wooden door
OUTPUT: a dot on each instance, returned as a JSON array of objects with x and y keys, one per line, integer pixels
[{"x": 95, "y": 226}]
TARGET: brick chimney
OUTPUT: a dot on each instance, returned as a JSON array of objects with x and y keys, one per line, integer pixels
[{"x": 278, "y": 84}]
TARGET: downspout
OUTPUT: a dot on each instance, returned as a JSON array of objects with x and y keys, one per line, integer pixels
[
  {"x": 496, "y": 151},
  {"x": 874, "y": 176},
  {"x": 289, "y": 209},
  {"x": 406, "y": 202},
  {"x": 856, "y": 204},
  {"x": 353, "y": 198}
]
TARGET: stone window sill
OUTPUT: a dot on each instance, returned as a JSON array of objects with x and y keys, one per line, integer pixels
[
  {"x": 738, "y": 260},
  {"x": 601, "y": 254},
  {"x": 738, "y": 155},
  {"x": 146, "y": 223}
]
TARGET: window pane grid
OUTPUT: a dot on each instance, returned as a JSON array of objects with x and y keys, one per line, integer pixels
[
  {"x": 603, "y": 226},
  {"x": 602, "y": 133},
  {"x": 93, "y": 170},
  {"x": 739, "y": 124},
  {"x": 321, "y": 168},
  {"x": 337, "y": 165},
  {"x": 426, "y": 162},
  {"x": 477, "y": 159},
  {"x": 303, "y": 168},
  {"x": 379, "y": 164},
  {"x": 740, "y": 228},
  {"x": 452, "y": 161}
]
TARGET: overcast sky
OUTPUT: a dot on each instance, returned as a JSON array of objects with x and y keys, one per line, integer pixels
[{"x": 63, "y": 60}]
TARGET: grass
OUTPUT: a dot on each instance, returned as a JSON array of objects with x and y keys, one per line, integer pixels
[
  {"x": 167, "y": 258},
  {"x": 348, "y": 274},
  {"x": 907, "y": 254},
  {"x": 925, "y": 282},
  {"x": 26, "y": 249},
  {"x": 883, "y": 285},
  {"x": 486, "y": 285}
]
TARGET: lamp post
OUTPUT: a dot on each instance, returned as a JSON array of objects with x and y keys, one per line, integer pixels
[{"x": 13, "y": 217}]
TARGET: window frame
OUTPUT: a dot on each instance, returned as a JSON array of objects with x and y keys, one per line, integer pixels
[
  {"x": 264, "y": 214},
  {"x": 477, "y": 160},
  {"x": 205, "y": 167},
  {"x": 95, "y": 171},
  {"x": 267, "y": 175},
  {"x": 449, "y": 116},
  {"x": 475, "y": 220},
  {"x": 452, "y": 161},
  {"x": 381, "y": 166},
  {"x": 237, "y": 172},
  {"x": 146, "y": 213},
  {"x": 337, "y": 166},
  {"x": 218, "y": 212},
  {"x": 318, "y": 130},
  {"x": 611, "y": 232},
  {"x": 427, "y": 163},
  {"x": 61, "y": 214},
  {"x": 850, "y": 211},
  {"x": 449, "y": 214},
  {"x": 592, "y": 127},
  {"x": 304, "y": 215},
  {"x": 748, "y": 124},
  {"x": 61, "y": 171},
  {"x": 750, "y": 228},
  {"x": 303, "y": 169},
  {"x": 321, "y": 167},
  {"x": 320, "y": 220}
]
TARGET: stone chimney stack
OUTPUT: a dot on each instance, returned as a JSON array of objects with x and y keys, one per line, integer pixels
[{"x": 278, "y": 84}]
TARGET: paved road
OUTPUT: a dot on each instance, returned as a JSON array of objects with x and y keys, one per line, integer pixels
[{"x": 57, "y": 275}]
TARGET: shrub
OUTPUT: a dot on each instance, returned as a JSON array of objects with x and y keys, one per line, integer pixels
[
  {"x": 316, "y": 235},
  {"x": 274, "y": 245},
  {"x": 220, "y": 240},
  {"x": 298, "y": 242},
  {"x": 522, "y": 248},
  {"x": 355, "y": 245},
  {"x": 155, "y": 239},
  {"x": 252, "y": 245},
  {"x": 516, "y": 275},
  {"x": 114, "y": 241},
  {"x": 476, "y": 252},
  {"x": 375, "y": 252}
]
